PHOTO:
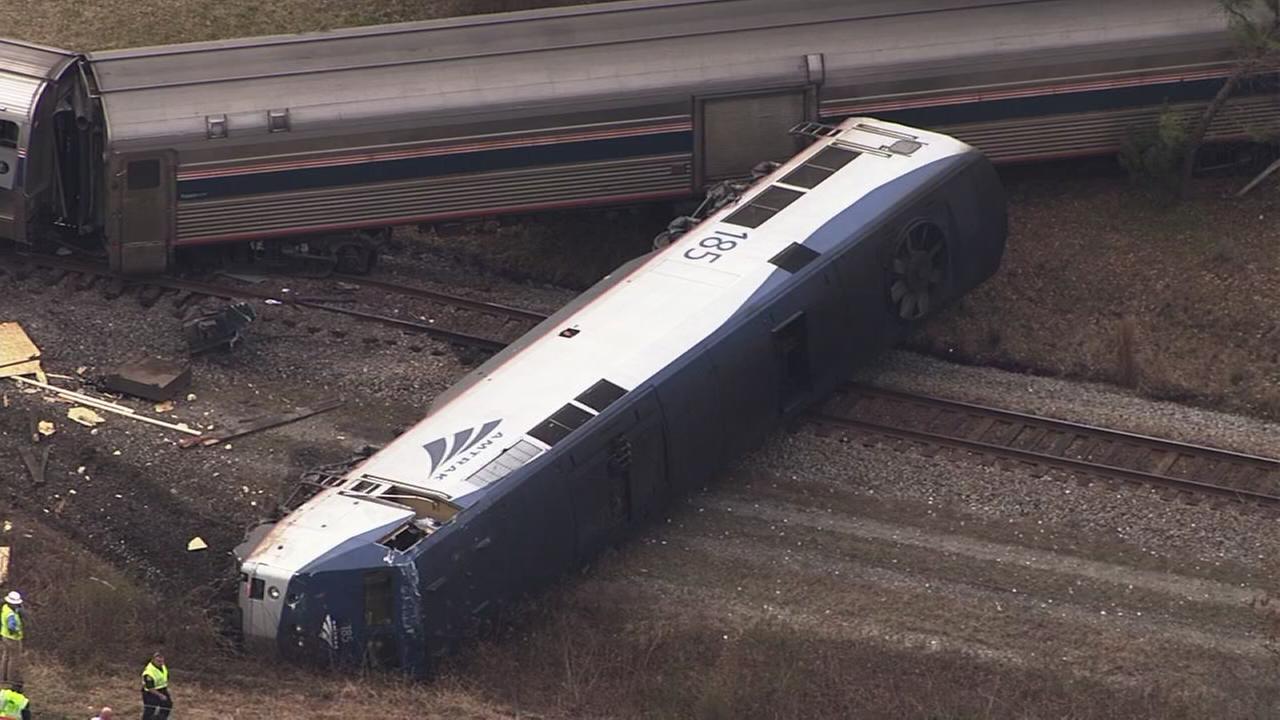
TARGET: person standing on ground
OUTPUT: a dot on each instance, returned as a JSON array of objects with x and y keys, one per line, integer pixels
[
  {"x": 13, "y": 704},
  {"x": 11, "y": 623},
  {"x": 156, "y": 701}
]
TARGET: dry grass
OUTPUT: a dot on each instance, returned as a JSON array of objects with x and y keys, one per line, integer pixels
[
  {"x": 107, "y": 24},
  {"x": 1102, "y": 284},
  {"x": 588, "y": 648},
  {"x": 584, "y": 653}
]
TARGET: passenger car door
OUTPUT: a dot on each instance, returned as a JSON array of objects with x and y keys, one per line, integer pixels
[{"x": 143, "y": 216}]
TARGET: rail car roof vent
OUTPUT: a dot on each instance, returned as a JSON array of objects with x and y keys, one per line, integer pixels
[
  {"x": 215, "y": 126},
  {"x": 821, "y": 166},
  {"x": 793, "y": 257},
  {"x": 510, "y": 459},
  {"x": 560, "y": 424},
  {"x": 278, "y": 120},
  {"x": 600, "y": 395},
  {"x": 763, "y": 206}
]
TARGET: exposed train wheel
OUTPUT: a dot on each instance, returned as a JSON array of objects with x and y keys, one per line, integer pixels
[
  {"x": 919, "y": 267},
  {"x": 355, "y": 258}
]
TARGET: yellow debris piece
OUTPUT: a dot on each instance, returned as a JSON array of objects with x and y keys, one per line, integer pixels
[
  {"x": 15, "y": 348},
  {"x": 85, "y": 416},
  {"x": 196, "y": 544},
  {"x": 45, "y": 427}
]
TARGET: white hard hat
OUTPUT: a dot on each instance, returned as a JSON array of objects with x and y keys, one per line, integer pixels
[{"x": 13, "y": 598}]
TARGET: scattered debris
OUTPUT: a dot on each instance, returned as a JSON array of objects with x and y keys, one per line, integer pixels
[
  {"x": 251, "y": 426},
  {"x": 85, "y": 416},
  {"x": 245, "y": 277},
  {"x": 218, "y": 328},
  {"x": 18, "y": 355},
  {"x": 150, "y": 378},
  {"x": 36, "y": 461},
  {"x": 1266, "y": 172},
  {"x": 45, "y": 428},
  {"x": 110, "y": 407},
  {"x": 191, "y": 397},
  {"x": 4, "y": 564},
  {"x": 197, "y": 543},
  {"x": 102, "y": 582},
  {"x": 164, "y": 407}
]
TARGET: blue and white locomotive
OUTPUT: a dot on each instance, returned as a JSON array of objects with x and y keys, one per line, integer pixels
[{"x": 641, "y": 388}]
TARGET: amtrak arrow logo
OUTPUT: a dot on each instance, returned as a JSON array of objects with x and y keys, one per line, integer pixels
[{"x": 442, "y": 450}]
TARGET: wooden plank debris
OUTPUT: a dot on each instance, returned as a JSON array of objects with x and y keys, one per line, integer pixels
[
  {"x": 36, "y": 461},
  {"x": 18, "y": 355},
  {"x": 108, "y": 406}
]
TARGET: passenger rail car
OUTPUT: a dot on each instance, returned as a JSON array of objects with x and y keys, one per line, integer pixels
[
  {"x": 640, "y": 389},
  {"x": 319, "y": 134}
]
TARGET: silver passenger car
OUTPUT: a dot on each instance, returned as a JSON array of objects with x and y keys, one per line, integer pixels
[{"x": 614, "y": 103}]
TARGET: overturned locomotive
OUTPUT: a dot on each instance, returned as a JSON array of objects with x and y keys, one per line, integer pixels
[{"x": 641, "y": 388}]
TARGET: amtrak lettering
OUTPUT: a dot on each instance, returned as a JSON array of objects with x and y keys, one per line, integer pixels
[{"x": 470, "y": 441}]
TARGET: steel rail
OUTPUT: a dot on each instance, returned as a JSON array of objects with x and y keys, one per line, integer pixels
[
  {"x": 221, "y": 291},
  {"x": 483, "y": 306},
  {"x": 849, "y": 417}
]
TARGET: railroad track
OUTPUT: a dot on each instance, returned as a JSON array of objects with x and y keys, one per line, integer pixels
[
  {"x": 1190, "y": 472},
  {"x": 152, "y": 288}
]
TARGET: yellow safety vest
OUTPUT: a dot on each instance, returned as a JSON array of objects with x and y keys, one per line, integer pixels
[
  {"x": 159, "y": 676},
  {"x": 6, "y": 613},
  {"x": 12, "y": 702}
]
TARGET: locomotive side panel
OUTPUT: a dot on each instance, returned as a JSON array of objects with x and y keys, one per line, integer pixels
[
  {"x": 617, "y": 474},
  {"x": 694, "y": 421}
]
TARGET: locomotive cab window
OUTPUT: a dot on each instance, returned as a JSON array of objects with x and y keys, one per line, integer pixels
[
  {"x": 8, "y": 134},
  {"x": 144, "y": 174}
]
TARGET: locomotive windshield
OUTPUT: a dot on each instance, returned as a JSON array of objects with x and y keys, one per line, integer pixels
[{"x": 8, "y": 134}]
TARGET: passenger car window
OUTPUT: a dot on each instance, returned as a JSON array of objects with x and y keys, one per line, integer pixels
[
  {"x": 144, "y": 174},
  {"x": 8, "y": 133}
]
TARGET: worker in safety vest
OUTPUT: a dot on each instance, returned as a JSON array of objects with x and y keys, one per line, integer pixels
[
  {"x": 11, "y": 623},
  {"x": 14, "y": 705},
  {"x": 155, "y": 689}
]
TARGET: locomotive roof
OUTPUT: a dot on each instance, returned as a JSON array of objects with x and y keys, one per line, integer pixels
[
  {"x": 677, "y": 298},
  {"x": 579, "y": 58},
  {"x": 623, "y": 332}
]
